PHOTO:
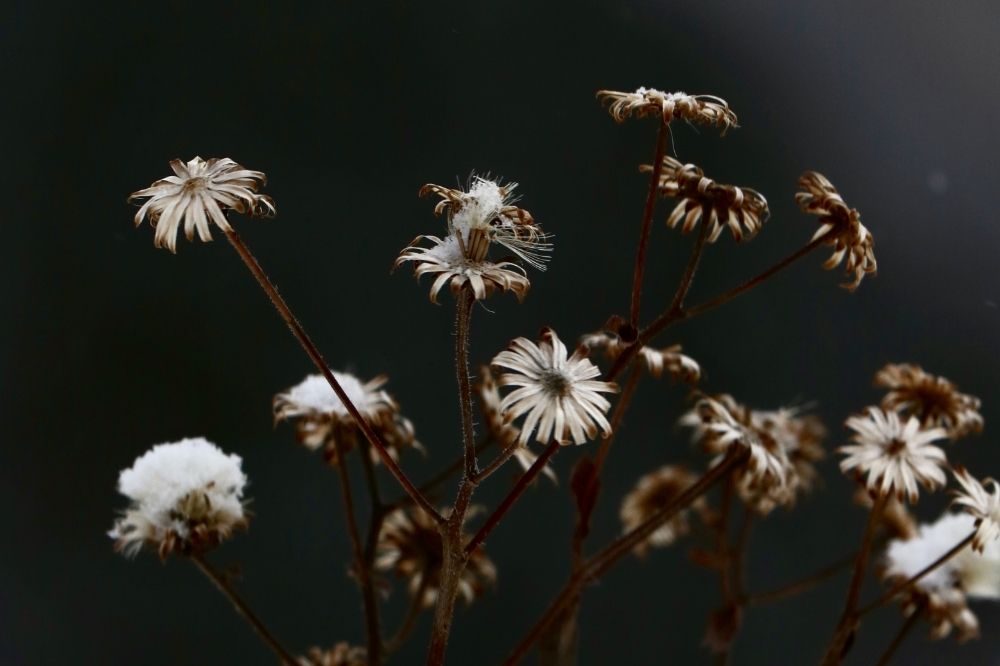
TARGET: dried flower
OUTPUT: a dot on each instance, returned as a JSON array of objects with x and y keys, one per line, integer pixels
[
  {"x": 681, "y": 368},
  {"x": 186, "y": 496},
  {"x": 896, "y": 456},
  {"x": 558, "y": 393},
  {"x": 704, "y": 109},
  {"x": 840, "y": 226},
  {"x": 410, "y": 545},
  {"x": 942, "y": 593},
  {"x": 501, "y": 430},
  {"x": 983, "y": 506},
  {"x": 932, "y": 399},
  {"x": 654, "y": 492},
  {"x": 322, "y": 420},
  {"x": 198, "y": 193},
  {"x": 742, "y": 210},
  {"x": 341, "y": 654}
]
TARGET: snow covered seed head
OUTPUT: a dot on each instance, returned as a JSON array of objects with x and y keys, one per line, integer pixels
[{"x": 186, "y": 496}]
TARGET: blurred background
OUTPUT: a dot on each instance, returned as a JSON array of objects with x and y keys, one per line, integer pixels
[{"x": 110, "y": 345}]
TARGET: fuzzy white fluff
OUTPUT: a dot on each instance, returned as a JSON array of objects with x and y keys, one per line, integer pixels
[{"x": 314, "y": 394}]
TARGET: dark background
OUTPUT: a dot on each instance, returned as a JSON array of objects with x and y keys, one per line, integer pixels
[{"x": 111, "y": 345}]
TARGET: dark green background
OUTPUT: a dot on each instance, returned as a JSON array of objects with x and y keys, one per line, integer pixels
[{"x": 110, "y": 346}]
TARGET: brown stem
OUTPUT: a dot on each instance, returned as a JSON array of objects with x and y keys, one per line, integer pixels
[
  {"x": 220, "y": 582},
  {"x": 515, "y": 492},
  {"x": 429, "y": 487},
  {"x": 901, "y": 635},
  {"x": 374, "y": 635},
  {"x": 647, "y": 221},
  {"x": 914, "y": 579},
  {"x": 739, "y": 555},
  {"x": 410, "y": 621},
  {"x": 317, "y": 359},
  {"x": 628, "y": 390},
  {"x": 463, "y": 317},
  {"x": 803, "y": 584},
  {"x": 497, "y": 462},
  {"x": 453, "y": 564},
  {"x": 844, "y": 634}
]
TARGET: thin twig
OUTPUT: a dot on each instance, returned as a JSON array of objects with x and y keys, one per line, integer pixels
[
  {"x": 515, "y": 492},
  {"x": 647, "y": 221},
  {"x": 223, "y": 585},
  {"x": 628, "y": 390},
  {"x": 314, "y": 354},
  {"x": 410, "y": 621},
  {"x": 497, "y": 462},
  {"x": 803, "y": 584},
  {"x": 901, "y": 635}
]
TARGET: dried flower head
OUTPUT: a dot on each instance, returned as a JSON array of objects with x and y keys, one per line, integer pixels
[
  {"x": 198, "y": 194},
  {"x": 840, "y": 226},
  {"x": 654, "y": 492},
  {"x": 446, "y": 260},
  {"x": 895, "y": 456},
  {"x": 942, "y": 593},
  {"x": 322, "y": 420},
  {"x": 501, "y": 430},
  {"x": 680, "y": 367},
  {"x": 186, "y": 496},
  {"x": 341, "y": 654},
  {"x": 703, "y": 109},
  {"x": 410, "y": 545},
  {"x": 742, "y": 210},
  {"x": 558, "y": 392},
  {"x": 982, "y": 505},
  {"x": 932, "y": 399}
]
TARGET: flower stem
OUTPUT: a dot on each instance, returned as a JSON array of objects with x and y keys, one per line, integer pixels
[
  {"x": 901, "y": 635},
  {"x": 647, "y": 222},
  {"x": 515, "y": 492},
  {"x": 844, "y": 634},
  {"x": 796, "y": 587},
  {"x": 410, "y": 621},
  {"x": 628, "y": 390},
  {"x": 317, "y": 359},
  {"x": 361, "y": 564},
  {"x": 497, "y": 462},
  {"x": 223, "y": 585},
  {"x": 463, "y": 320},
  {"x": 916, "y": 578}
]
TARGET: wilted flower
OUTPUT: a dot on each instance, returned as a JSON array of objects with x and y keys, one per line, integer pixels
[
  {"x": 341, "y": 654},
  {"x": 705, "y": 109},
  {"x": 186, "y": 496},
  {"x": 840, "y": 226},
  {"x": 322, "y": 420},
  {"x": 934, "y": 400},
  {"x": 505, "y": 433},
  {"x": 198, "y": 194},
  {"x": 981, "y": 505},
  {"x": 682, "y": 368},
  {"x": 557, "y": 392},
  {"x": 740, "y": 209},
  {"x": 410, "y": 545},
  {"x": 941, "y": 594},
  {"x": 446, "y": 260},
  {"x": 654, "y": 492},
  {"x": 895, "y": 456}
]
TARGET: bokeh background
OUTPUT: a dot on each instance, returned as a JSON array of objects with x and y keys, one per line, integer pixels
[{"x": 110, "y": 345}]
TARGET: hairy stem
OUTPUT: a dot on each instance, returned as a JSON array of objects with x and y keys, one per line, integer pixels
[
  {"x": 453, "y": 564},
  {"x": 463, "y": 319},
  {"x": 223, "y": 585},
  {"x": 311, "y": 350},
  {"x": 647, "y": 222}
]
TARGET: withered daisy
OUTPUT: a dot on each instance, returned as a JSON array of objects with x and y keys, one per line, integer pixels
[
  {"x": 199, "y": 193},
  {"x": 703, "y": 109},
  {"x": 410, "y": 546},
  {"x": 446, "y": 260},
  {"x": 840, "y": 225},
  {"x": 934, "y": 400},
  {"x": 895, "y": 456},
  {"x": 186, "y": 497},
  {"x": 503, "y": 431},
  {"x": 558, "y": 392},
  {"x": 982, "y": 505},
  {"x": 740, "y": 209},
  {"x": 653, "y": 492},
  {"x": 322, "y": 420},
  {"x": 679, "y": 366}
]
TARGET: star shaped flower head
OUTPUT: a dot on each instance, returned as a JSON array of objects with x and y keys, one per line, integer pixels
[
  {"x": 932, "y": 399},
  {"x": 740, "y": 209},
  {"x": 199, "y": 194},
  {"x": 895, "y": 455},
  {"x": 840, "y": 226},
  {"x": 680, "y": 367},
  {"x": 186, "y": 497},
  {"x": 701, "y": 109},
  {"x": 409, "y": 544},
  {"x": 654, "y": 492},
  {"x": 982, "y": 505},
  {"x": 322, "y": 420},
  {"x": 558, "y": 392},
  {"x": 482, "y": 216}
]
